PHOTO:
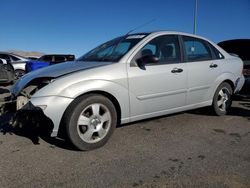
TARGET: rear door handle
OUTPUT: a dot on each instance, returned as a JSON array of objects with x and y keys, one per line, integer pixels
[
  {"x": 213, "y": 65},
  {"x": 177, "y": 70}
]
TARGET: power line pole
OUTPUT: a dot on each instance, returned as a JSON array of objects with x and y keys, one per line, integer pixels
[{"x": 195, "y": 15}]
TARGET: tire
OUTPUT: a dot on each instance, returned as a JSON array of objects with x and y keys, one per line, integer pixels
[
  {"x": 222, "y": 100},
  {"x": 19, "y": 73},
  {"x": 90, "y": 121}
]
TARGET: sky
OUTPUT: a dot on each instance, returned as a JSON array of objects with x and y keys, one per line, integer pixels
[{"x": 77, "y": 26}]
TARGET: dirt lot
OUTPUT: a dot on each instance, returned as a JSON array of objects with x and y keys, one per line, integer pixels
[{"x": 191, "y": 149}]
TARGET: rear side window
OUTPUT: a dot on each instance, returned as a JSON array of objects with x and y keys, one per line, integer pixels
[
  {"x": 60, "y": 58},
  {"x": 196, "y": 49},
  {"x": 46, "y": 58}
]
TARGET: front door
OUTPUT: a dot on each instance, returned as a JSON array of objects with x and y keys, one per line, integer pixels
[{"x": 157, "y": 88}]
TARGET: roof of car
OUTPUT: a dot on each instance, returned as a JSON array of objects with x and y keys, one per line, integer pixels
[{"x": 168, "y": 32}]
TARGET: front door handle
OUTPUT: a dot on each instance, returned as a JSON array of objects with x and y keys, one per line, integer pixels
[
  {"x": 213, "y": 65},
  {"x": 177, "y": 70}
]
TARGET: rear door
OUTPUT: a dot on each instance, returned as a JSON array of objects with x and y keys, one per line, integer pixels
[{"x": 203, "y": 69}]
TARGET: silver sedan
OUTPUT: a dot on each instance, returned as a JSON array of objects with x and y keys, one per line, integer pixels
[{"x": 131, "y": 78}]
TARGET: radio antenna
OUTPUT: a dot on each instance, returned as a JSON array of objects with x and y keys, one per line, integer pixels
[{"x": 140, "y": 26}]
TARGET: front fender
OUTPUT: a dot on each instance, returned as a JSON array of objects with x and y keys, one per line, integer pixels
[{"x": 117, "y": 90}]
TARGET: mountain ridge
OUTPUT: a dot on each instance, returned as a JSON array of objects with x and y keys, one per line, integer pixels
[{"x": 26, "y": 53}]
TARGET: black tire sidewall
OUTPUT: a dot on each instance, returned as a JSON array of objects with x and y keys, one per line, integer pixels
[
  {"x": 215, "y": 106},
  {"x": 73, "y": 112}
]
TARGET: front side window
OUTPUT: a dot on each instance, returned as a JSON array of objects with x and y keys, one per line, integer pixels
[
  {"x": 166, "y": 48},
  {"x": 196, "y": 49},
  {"x": 114, "y": 50}
]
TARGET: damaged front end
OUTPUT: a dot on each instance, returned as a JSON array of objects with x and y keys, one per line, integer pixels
[
  {"x": 22, "y": 99},
  {"x": 29, "y": 117}
]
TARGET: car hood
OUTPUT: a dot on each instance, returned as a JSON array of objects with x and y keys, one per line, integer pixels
[{"x": 55, "y": 71}]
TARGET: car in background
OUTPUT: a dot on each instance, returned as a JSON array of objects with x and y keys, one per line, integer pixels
[
  {"x": 46, "y": 60},
  {"x": 240, "y": 47},
  {"x": 7, "y": 73},
  {"x": 17, "y": 61},
  {"x": 130, "y": 78}
]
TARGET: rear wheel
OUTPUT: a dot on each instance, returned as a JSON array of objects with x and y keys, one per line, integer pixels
[
  {"x": 90, "y": 121},
  {"x": 222, "y": 99}
]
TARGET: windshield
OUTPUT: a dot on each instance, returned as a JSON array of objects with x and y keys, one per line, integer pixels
[{"x": 113, "y": 50}]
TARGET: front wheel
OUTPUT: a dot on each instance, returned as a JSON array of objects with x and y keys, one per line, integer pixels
[
  {"x": 90, "y": 121},
  {"x": 222, "y": 99}
]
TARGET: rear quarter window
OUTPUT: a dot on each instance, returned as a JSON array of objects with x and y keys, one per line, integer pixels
[{"x": 216, "y": 52}]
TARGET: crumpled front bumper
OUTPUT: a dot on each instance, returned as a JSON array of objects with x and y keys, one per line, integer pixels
[{"x": 53, "y": 108}]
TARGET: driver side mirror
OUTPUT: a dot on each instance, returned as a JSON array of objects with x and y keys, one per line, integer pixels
[{"x": 147, "y": 59}]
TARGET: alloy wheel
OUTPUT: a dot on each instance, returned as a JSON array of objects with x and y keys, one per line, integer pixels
[
  {"x": 94, "y": 123},
  {"x": 223, "y": 99}
]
